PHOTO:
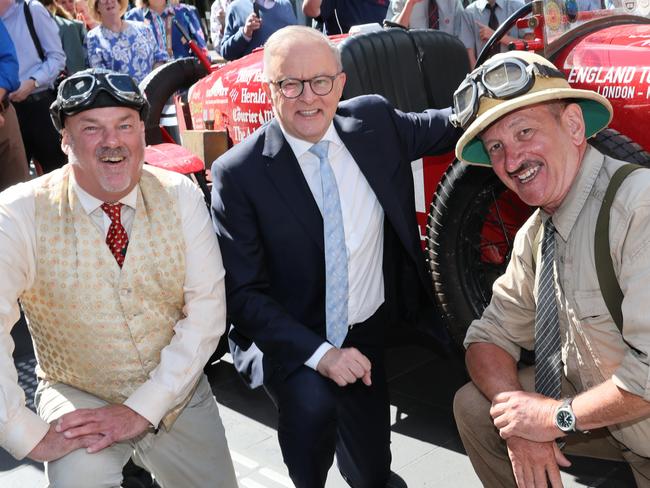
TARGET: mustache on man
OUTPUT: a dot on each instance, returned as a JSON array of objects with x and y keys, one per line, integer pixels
[{"x": 524, "y": 166}]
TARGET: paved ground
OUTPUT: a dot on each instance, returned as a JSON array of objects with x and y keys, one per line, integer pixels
[{"x": 425, "y": 445}]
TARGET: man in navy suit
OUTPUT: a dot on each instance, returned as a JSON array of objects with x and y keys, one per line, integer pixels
[{"x": 273, "y": 208}]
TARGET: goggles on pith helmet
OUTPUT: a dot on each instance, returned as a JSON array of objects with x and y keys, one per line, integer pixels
[{"x": 511, "y": 81}]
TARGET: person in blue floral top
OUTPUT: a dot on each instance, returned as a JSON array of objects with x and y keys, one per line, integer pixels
[
  {"x": 121, "y": 45},
  {"x": 158, "y": 14}
]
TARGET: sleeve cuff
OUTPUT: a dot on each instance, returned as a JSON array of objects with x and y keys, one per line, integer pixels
[
  {"x": 478, "y": 332},
  {"x": 315, "y": 358},
  {"x": 23, "y": 432},
  {"x": 151, "y": 402},
  {"x": 633, "y": 376}
]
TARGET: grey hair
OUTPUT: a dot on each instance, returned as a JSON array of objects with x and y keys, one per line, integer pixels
[{"x": 298, "y": 33}]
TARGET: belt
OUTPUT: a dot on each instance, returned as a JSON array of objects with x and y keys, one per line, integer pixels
[
  {"x": 35, "y": 97},
  {"x": 4, "y": 105}
]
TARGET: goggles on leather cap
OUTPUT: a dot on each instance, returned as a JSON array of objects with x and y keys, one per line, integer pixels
[{"x": 82, "y": 91}]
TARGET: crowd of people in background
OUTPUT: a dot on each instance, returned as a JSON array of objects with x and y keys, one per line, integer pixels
[
  {"x": 317, "y": 299},
  {"x": 61, "y": 37}
]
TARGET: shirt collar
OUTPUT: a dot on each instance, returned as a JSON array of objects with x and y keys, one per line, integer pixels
[
  {"x": 89, "y": 203},
  {"x": 565, "y": 217},
  {"x": 168, "y": 10},
  {"x": 481, "y": 4},
  {"x": 300, "y": 146}
]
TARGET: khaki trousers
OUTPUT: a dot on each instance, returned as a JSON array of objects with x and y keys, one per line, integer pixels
[
  {"x": 13, "y": 161},
  {"x": 488, "y": 453},
  {"x": 193, "y": 454}
]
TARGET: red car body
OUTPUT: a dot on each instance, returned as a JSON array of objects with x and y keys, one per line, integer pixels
[{"x": 607, "y": 51}]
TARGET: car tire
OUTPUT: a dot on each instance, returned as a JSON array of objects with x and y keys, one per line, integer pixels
[{"x": 159, "y": 85}]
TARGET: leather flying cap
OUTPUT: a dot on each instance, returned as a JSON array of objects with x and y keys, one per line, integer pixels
[{"x": 96, "y": 88}]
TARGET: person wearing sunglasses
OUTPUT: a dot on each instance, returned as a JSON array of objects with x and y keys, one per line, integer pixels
[
  {"x": 588, "y": 392},
  {"x": 120, "y": 277},
  {"x": 316, "y": 220}
]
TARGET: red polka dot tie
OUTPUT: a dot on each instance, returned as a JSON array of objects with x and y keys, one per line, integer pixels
[{"x": 117, "y": 239}]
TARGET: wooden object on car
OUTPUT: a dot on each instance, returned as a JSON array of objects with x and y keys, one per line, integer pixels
[{"x": 207, "y": 144}]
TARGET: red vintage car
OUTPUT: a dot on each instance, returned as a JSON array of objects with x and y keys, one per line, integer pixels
[{"x": 467, "y": 218}]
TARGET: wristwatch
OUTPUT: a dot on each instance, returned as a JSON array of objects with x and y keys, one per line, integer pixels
[
  {"x": 565, "y": 419},
  {"x": 36, "y": 83}
]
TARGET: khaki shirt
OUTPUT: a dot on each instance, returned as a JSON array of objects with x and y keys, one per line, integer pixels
[{"x": 593, "y": 349}]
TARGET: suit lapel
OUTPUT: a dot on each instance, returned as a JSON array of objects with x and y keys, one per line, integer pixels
[
  {"x": 362, "y": 144},
  {"x": 285, "y": 174}
]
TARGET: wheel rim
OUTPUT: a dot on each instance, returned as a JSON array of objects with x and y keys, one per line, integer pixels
[{"x": 486, "y": 241}]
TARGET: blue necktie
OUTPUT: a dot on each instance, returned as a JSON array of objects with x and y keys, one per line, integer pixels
[{"x": 336, "y": 258}]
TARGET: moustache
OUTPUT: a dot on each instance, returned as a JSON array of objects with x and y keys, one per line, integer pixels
[
  {"x": 112, "y": 152},
  {"x": 525, "y": 166}
]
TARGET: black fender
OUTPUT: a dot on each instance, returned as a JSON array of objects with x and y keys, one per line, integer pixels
[{"x": 161, "y": 84}]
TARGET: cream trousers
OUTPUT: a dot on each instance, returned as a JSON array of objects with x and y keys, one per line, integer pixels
[{"x": 194, "y": 454}]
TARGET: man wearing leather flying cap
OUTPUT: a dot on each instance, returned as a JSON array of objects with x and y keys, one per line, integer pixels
[
  {"x": 108, "y": 259},
  {"x": 588, "y": 393}
]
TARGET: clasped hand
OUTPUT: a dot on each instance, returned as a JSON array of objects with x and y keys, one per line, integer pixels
[
  {"x": 113, "y": 423},
  {"x": 91, "y": 428},
  {"x": 345, "y": 366},
  {"x": 536, "y": 464},
  {"x": 526, "y": 415},
  {"x": 24, "y": 90},
  {"x": 525, "y": 421}
]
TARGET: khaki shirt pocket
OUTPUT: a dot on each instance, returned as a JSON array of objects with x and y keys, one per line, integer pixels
[
  {"x": 600, "y": 336},
  {"x": 590, "y": 304}
]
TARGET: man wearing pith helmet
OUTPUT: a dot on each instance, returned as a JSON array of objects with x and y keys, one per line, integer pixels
[
  {"x": 588, "y": 392},
  {"x": 120, "y": 276}
]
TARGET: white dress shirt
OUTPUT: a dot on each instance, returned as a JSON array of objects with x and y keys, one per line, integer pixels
[
  {"x": 181, "y": 362},
  {"x": 363, "y": 224}
]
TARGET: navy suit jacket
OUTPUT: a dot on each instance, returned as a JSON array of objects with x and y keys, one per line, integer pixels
[{"x": 271, "y": 231}]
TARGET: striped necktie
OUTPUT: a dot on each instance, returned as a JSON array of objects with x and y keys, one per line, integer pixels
[{"x": 548, "y": 357}]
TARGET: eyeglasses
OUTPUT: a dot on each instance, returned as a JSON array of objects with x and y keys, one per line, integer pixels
[
  {"x": 292, "y": 87},
  {"x": 79, "y": 90},
  {"x": 502, "y": 79}
]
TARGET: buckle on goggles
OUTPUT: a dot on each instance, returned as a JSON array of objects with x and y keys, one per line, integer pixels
[
  {"x": 80, "y": 90},
  {"x": 502, "y": 79}
]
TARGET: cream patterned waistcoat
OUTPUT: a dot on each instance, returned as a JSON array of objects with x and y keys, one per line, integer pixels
[{"x": 98, "y": 327}]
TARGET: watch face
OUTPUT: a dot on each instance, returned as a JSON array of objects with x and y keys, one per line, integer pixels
[{"x": 565, "y": 420}]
